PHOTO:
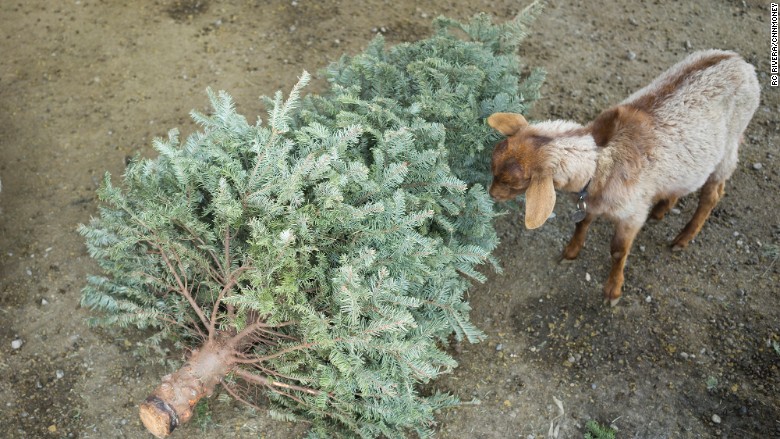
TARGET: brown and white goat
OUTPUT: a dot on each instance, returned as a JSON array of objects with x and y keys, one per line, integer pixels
[{"x": 675, "y": 136}]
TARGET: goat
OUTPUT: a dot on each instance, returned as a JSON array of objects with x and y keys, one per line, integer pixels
[{"x": 673, "y": 137}]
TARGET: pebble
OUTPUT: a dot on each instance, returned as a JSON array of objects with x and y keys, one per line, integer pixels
[
  {"x": 631, "y": 55},
  {"x": 44, "y": 302},
  {"x": 649, "y": 299},
  {"x": 716, "y": 419},
  {"x": 60, "y": 374},
  {"x": 757, "y": 166},
  {"x": 633, "y": 21},
  {"x": 688, "y": 45},
  {"x": 587, "y": 277},
  {"x": 500, "y": 347},
  {"x": 675, "y": 211},
  {"x": 16, "y": 344}
]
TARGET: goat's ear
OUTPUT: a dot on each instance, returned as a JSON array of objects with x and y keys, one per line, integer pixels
[
  {"x": 604, "y": 126},
  {"x": 507, "y": 123},
  {"x": 539, "y": 201}
]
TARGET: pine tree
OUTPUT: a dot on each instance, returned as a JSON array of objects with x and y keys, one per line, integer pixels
[{"x": 315, "y": 263}]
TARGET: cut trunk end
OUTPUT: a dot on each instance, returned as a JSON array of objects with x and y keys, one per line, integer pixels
[
  {"x": 158, "y": 417},
  {"x": 173, "y": 401}
]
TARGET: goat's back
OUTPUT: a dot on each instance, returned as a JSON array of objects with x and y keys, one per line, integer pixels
[{"x": 699, "y": 109}]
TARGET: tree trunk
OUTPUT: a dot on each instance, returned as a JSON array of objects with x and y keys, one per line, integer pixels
[{"x": 173, "y": 400}]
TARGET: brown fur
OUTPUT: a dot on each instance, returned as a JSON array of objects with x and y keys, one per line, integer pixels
[{"x": 651, "y": 102}]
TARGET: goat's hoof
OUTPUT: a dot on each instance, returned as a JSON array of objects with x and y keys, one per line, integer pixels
[
  {"x": 565, "y": 261},
  {"x": 678, "y": 246}
]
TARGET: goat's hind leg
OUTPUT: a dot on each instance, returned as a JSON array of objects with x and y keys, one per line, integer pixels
[{"x": 710, "y": 194}]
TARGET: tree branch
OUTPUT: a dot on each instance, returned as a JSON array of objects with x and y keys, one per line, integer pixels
[
  {"x": 257, "y": 379},
  {"x": 234, "y": 341},
  {"x": 182, "y": 286}
]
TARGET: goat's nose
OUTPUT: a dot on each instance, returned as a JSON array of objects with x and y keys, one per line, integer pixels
[
  {"x": 496, "y": 193},
  {"x": 492, "y": 190}
]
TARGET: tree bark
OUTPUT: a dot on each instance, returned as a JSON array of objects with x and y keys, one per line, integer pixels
[{"x": 172, "y": 402}]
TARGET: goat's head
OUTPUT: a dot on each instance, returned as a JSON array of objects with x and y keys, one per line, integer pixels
[{"x": 521, "y": 165}]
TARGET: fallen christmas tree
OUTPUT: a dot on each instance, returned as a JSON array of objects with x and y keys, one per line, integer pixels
[{"x": 314, "y": 265}]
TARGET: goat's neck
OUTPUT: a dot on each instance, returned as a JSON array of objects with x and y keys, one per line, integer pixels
[{"x": 574, "y": 155}]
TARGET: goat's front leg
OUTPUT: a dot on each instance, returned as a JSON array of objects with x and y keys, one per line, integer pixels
[
  {"x": 625, "y": 232},
  {"x": 578, "y": 239}
]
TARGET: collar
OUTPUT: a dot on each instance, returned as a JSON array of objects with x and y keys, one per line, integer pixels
[
  {"x": 582, "y": 204},
  {"x": 582, "y": 194}
]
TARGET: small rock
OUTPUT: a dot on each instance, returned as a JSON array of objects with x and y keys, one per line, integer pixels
[
  {"x": 16, "y": 344},
  {"x": 641, "y": 248},
  {"x": 631, "y": 56},
  {"x": 675, "y": 211},
  {"x": 499, "y": 347},
  {"x": 683, "y": 355},
  {"x": 587, "y": 277},
  {"x": 633, "y": 21},
  {"x": 59, "y": 373},
  {"x": 716, "y": 419},
  {"x": 757, "y": 166},
  {"x": 688, "y": 45},
  {"x": 649, "y": 299},
  {"x": 44, "y": 302},
  {"x": 572, "y": 360},
  {"x": 52, "y": 428}
]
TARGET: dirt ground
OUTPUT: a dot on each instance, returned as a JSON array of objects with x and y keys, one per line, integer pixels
[{"x": 687, "y": 354}]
